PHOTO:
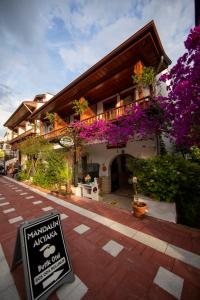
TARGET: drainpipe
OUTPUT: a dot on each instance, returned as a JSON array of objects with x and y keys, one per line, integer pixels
[{"x": 160, "y": 64}]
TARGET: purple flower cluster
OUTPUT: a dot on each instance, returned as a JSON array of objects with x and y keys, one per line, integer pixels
[
  {"x": 182, "y": 106},
  {"x": 136, "y": 121}
]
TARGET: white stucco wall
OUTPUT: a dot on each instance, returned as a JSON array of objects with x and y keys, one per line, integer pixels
[
  {"x": 21, "y": 130},
  {"x": 14, "y": 135},
  {"x": 99, "y": 107},
  {"x": 48, "y": 96},
  {"x": 98, "y": 153},
  {"x": 169, "y": 146},
  {"x": 8, "y": 135},
  {"x": 28, "y": 126},
  {"x": 37, "y": 124},
  {"x": 39, "y": 104}
]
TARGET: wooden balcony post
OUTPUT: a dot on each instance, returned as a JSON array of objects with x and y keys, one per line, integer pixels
[
  {"x": 137, "y": 70},
  {"x": 41, "y": 127}
]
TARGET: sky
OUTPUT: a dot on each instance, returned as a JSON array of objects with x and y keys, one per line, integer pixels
[{"x": 45, "y": 44}]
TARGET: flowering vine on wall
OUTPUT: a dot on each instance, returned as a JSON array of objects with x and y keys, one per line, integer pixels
[
  {"x": 182, "y": 105},
  {"x": 136, "y": 121}
]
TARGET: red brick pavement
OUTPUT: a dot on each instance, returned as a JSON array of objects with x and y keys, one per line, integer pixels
[{"x": 129, "y": 275}]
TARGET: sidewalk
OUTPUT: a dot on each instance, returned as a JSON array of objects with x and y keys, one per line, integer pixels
[
  {"x": 161, "y": 210},
  {"x": 114, "y": 255}
]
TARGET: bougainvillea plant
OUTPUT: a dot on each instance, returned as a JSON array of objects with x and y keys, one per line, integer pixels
[
  {"x": 182, "y": 105},
  {"x": 137, "y": 121}
]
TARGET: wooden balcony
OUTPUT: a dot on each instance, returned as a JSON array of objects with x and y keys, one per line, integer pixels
[
  {"x": 108, "y": 115},
  {"x": 116, "y": 112},
  {"x": 22, "y": 136},
  {"x": 55, "y": 134}
]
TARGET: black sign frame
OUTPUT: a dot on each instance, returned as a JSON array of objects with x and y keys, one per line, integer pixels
[{"x": 50, "y": 270}]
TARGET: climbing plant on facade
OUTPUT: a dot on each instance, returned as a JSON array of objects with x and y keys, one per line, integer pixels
[
  {"x": 182, "y": 105},
  {"x": 137, "y": 121},
  {"x": 32, "y": 148},
  {"x": 80, "y": 105},
  {"x": 146, "y": 78},
  {"x": 50, "y": 117}
]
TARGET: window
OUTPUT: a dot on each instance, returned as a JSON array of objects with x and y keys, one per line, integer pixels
[
  {"x": 129, "y": 97},
  {"x": 67, "y": 119},
  {"x": 76, "y": 117},
  {"x": 110, "y": 104},
  {"x": 48, "y": 127},
  {"x": 93, "y": 170}
]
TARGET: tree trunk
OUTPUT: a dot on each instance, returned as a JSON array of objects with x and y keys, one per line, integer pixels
[{"x": 75, "y": 168}]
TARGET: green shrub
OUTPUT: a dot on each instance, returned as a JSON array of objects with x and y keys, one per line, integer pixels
[
  {"x": 161, "y": 179},
  {"x": 40, "y": 177},
  {"x": 195, "y": 154},
  {"x": 171, "y": 178},
  {"x": 53, "y": 170},
  {"x": 157, "y": 177},
  {"x": 22, "y": 176}
]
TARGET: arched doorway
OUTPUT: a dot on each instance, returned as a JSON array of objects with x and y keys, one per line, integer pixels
[{"x": 120, "y": 174}]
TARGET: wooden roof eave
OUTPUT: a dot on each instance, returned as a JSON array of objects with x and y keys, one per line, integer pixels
[
  {"x": 23, "y": 111},
  {"x": 73, "y": 88}
]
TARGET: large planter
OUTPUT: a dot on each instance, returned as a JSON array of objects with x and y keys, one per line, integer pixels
[{"x": 139, "y": 209}]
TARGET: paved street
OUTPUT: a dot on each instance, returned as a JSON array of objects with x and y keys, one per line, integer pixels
[{"x": 114, "y": 255}]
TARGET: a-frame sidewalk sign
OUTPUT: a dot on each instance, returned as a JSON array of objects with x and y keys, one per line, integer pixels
[{"x": 40, "y": 245}]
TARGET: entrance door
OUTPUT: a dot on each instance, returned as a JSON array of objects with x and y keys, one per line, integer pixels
[{"x": 120, "y": 174}]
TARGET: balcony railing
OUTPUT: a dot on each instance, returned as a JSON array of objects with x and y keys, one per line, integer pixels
[
  {"x": 108, "y": 115},
  {"x": 55, "y": 134},
  {"x": 23, "y": 135},
  {"x": 116, "y": 112}
]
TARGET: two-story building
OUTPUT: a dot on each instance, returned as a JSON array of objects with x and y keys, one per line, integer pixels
[
  {"x": 109, "y": 89},
  {"x": 19, "y": 127}
]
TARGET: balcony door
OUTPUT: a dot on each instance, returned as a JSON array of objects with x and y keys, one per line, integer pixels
[
  {"x": 109, "y": 104},
  {"x": 48, "y": 127}
]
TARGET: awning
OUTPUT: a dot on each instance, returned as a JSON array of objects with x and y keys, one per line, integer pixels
[{"x": 20, "y": 114}]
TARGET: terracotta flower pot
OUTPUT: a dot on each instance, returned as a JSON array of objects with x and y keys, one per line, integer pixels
[{"x": 139, "y": 209}]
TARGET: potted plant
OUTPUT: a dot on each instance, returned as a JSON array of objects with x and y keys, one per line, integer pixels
[
  {"x": 50, "y": 117},
  {"x": 80, "y": 105},
  {"x": 87, "y": 179},
  {"x": 139, "y": 207}
]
